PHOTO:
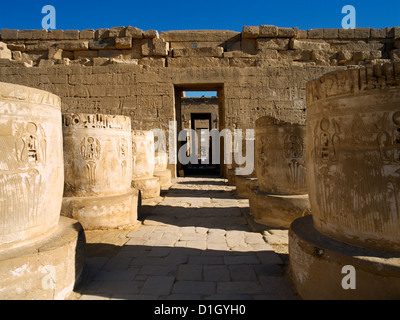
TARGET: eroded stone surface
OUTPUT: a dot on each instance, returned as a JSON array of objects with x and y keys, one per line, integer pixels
[
  {"x": 353, "y": 156},
  {"x": 161, "y": 171},
  {"x": 31, "y": 164},
  {"x": 98, "y": 171},
  {"x": 280, "y": 156},
  {"x": 281, "y": 173},
  {"x": 97, "y": 153},
  {"x": 144, "y": 164},
  {"x": 353, "y": 174},
  {"x": 41, "y": 254}
]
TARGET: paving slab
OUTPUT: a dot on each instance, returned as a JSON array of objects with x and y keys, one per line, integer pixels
[
  {"x": 194, "y": 243},
  {"x": 161, "y": 285},
  {"x": 216, "y": 273},
  {"x": 195, "y": 287}
]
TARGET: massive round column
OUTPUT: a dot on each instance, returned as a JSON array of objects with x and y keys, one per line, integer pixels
[
  {"x": 161, "y": 171},
  {"x": 31, "y": 164},
  {"x": 98, "y": 171},
  {"x": 353, "y": 163},
  {"x": 32, "y": 235},
  {"x": 281, "y": 173},
  {"x": 144, "y": 164}
]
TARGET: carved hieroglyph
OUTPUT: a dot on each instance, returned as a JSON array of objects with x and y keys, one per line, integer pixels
[
  {"x": 98, "y": 171},
  {"x": 97, "y": 152},
  {"x": 161, "y": 171},
  {"x": 281, "y": 173},
  {"x": 34, "y": 239},
  {"x": 143, "y": 153},
  {"x": 31, "y": 163},
  {"x": 160, "y": 161},
  {"x": 144, "y": 164},
  {"x": 353, "y": 169},
  {"x": 353, "y": 139},
  {"x": 280, "y": 161}
]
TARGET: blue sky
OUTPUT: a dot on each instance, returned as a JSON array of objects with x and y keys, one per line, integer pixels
[{"x": 206, "y": 14}]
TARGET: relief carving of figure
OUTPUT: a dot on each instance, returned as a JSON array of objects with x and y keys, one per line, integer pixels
[
  {"x": 261, "y": 161},
  {"x": 396, "y": 136},
  {"x": 327, "y": 141},
  {"x": 293, "y": 149},
  {"x": 31, "y": 145},
  {"x": 391, "y": 156},
  {"x": 91, "y": 168},
  {"x": 123, "y": 148},
  {"x": 90, "y": 148},
  {"x": 389, "y": 144},
  {"x": 293, "y": 146},
  {"x": 27, "y": 156}
]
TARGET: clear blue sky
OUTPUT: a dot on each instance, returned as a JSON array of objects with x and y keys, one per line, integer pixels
[{"x": 200, "y": 14}]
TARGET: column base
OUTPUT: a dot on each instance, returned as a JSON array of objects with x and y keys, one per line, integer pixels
[
  {"x": 244, "y": 185},
  {"x": 149, "y": 186},
  {"x": 277, "y": 210},
  {"x": 103, "y": 212},
  {"x": 47, "y": 270},
  {"x": 316, "y": 263},
  {"x": 165, "y": 178}
]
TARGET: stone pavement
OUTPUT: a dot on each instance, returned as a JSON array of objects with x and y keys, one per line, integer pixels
[{"x": 194, "y": 244}]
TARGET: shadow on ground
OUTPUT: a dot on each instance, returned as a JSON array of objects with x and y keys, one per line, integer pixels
[
  {"x": 192, "y": 244},
  {"x": 138, "y": 272}
]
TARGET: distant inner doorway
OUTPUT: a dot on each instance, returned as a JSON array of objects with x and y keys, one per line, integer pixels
[
  {"x": 199, "y": 109},
  {"x": 201, "y": 124}
]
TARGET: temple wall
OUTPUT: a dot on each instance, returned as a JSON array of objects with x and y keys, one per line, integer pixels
[
  {"x": 254, "y": 46},
  {"x": 147, "y": 94},
  {"x": 126, "y": 71}
]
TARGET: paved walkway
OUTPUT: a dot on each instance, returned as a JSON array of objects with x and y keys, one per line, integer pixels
[{"x": 194, "y": 244}]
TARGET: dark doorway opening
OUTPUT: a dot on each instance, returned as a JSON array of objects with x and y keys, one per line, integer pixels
[
  {"x": 199, "y": 109},
  {"x": 201, "y": 123}
]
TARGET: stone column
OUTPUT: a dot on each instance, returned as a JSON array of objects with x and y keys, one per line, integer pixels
[
  {"x": 353, "y": 163},
  {"x": 231, "y": 177},
  {"x": 161, "y": 171},
  {"x": 144, "y": 164},
  {"x": 280, "y": 168},
  {"x": 98, "y": 171},
  {"x": 34, "y": 241},
  {"x": 245, "y": 185}
]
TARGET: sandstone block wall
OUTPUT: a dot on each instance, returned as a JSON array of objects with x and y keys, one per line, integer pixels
[
  {"x": 199, "y": 105},
  {"x": 254, "y": 46},
  {"x": 261, "y": 71}
]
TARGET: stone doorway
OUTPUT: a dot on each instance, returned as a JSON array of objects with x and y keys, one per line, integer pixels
[
  {"x": 202, "y": 124},
  {"x": 199, "y": 115}
]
